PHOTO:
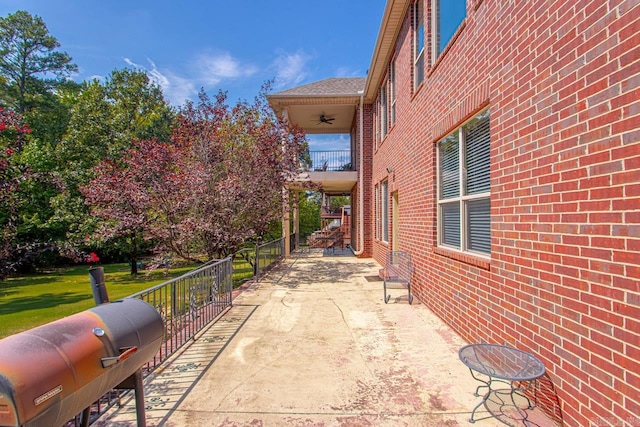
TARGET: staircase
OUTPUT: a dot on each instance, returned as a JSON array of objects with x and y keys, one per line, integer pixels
[
  {"x": 330, "y": 237},
  {"x": 326, "y": 239}
]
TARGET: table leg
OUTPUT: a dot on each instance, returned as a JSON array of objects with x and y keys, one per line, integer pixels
[
  {"x": 504, "y": 397},
  {"x": 520, "y": 391},
  {"x": 473, "y": 413},
  {"x": 487, "y": 384}
]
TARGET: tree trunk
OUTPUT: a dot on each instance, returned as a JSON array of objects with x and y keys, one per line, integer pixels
[{"x": 134, "y": 255}]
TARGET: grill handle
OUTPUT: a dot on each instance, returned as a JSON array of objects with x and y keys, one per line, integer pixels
[{"x": 107, "y": 362}]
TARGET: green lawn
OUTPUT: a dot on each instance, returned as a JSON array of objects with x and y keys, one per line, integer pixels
[
  {"x": 33, "y": 300},
  {"x": 242, "y": 270}
]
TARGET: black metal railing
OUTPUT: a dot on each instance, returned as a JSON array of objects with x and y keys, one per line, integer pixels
[
  {"x": 244, "y": 265},
  {"x": 331, "y": 212},
  {"x": 268, "y": 254},
  {"x": 188, "y": 303},
  {"x": 331, "y": 161}
]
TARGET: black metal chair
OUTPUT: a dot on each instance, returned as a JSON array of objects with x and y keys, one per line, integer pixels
[{"x": 398, "y": 269}]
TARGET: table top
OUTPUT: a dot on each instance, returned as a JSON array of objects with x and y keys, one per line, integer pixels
[{"x": 501, "y": 361}]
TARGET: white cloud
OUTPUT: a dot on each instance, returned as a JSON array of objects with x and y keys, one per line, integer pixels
[
  {"x": 212, "y": 69},
  {"x": 176, "y": 89},
  {"x": 207, "y": 71},
  {"x": 290, "y": 69},
  {"x": 130, "y": 62}
]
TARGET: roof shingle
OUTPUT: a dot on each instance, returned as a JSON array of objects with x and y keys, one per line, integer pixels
[{"x": 328, "y": 87}]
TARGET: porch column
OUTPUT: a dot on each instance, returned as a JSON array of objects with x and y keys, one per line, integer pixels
[
  {"x": 296, "y": 219},
  {"x": 286, "y": 208},
  {"x": 286, "y": 222}
]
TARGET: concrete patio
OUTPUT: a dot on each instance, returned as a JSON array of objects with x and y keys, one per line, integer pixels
[{"x": 314, "y": 344}]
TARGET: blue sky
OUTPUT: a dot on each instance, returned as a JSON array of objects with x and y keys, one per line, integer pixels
[{"x": 215, "y": 44}]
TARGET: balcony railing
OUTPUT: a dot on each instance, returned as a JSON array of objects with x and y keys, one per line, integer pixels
[
  {"x": 327, "y": 212},
  {"x": 330, "y": 161}
]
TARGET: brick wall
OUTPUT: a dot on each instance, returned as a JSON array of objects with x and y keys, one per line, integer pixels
[
  {"x": 562, "y": 80},
  {"x": 367, "y": 186},
  {"x": 369, "y": 208}
]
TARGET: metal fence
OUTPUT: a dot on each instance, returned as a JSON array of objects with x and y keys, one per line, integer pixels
[
  {"x": 268, "y": 254},
  {"x": 244, "y": 262},
  {"x": 188, "y": 303},
  {"x": 332, "y": 161}
]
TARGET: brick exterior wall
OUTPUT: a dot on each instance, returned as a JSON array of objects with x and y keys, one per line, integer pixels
[
  {"x": 562, "y": 80},
  {"x": 367, "y": 157}
]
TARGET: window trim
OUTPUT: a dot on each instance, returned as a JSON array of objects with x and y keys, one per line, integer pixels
[
  {"x": 462, "y": 198},
  {"x": 384, "y": 207},
  {"x": 384, "y": 113},
  {"x": 435, "y": 32},
  {"x": 392, "y": 93},
  {"x": 378, "y": 210},
  {"x": 376, "y": 122},
  {"x": 418, "y": 22}
]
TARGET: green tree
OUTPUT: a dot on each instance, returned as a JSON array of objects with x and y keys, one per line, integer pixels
[
  {"x": 107, "y": 117},
  {"x": 105, "y": 122},
  {"x": 339, "y": 201},
  {"x": 34, "y": 83},
  {"x": 13, "y": 253},
  {"x": 309, "y": 207},
  {"x": 30, "y": 64},
  {"x": 40, "y": 155},
  {"x": 217, "y": 184}
]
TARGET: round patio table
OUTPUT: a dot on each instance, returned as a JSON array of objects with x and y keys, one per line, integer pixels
[{"x": 506, "y": 366}]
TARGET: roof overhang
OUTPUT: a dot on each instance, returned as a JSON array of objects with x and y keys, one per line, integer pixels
[
  {"x": 304, "y": 105},
  {"x": 305, "y": 112},
  {"x": 335, "y": 99},
  {"x": 392, "y": 20}
]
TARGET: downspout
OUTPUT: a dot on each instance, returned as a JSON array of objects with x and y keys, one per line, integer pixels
[{"x": 360, "y": 183}]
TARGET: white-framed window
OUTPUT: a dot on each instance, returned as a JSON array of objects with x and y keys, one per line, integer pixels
[
  {"x": 376, "y": 125},
  {"x": 383, "y": 113},
  {"x": 378, "y": 211},
  {"x": 392, "y": 92},
  {"x": 384, "y": 207},
  {"x": 447, "y": 17},
  {"x": 418, "y": 43},
  {"x": 464, "y": 202}
]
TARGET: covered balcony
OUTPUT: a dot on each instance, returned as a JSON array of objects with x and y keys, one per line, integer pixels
[
  {"x": 331, "y": 106},
  {"x": 333, "y": 170}
]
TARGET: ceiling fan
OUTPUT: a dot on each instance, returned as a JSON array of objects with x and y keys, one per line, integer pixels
[{"x": 327, "y": 120}]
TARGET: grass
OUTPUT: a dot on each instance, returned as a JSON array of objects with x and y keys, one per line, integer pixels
[
  {"x": 33, "y": 300},
  {"x": 242, "y": 270}
]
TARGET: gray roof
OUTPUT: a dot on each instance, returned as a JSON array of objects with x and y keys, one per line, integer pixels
[{"x": 329, "y": 87}]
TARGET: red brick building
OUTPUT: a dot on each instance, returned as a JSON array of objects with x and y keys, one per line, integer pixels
[{"x": 498, "y": 143}]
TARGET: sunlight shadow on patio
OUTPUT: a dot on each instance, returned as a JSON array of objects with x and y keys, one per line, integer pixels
[{"x": 167, "y": 387}]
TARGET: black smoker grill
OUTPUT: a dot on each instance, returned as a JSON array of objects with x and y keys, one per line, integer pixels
[{"x": 51, "y": 373}]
